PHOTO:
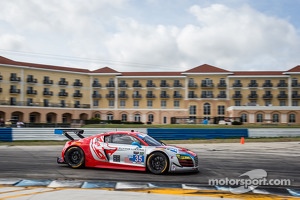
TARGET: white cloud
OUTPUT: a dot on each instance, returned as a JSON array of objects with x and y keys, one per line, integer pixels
[
  {"x": 234, "y": 39},
  {"x": 239, "y": 38},
  {"x": 11, "y": 42}
]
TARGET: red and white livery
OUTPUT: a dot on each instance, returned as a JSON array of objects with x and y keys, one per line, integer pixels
[{"x": 127, "y": 150}]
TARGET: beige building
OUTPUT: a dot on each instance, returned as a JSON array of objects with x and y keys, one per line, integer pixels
[{"x": 50, "y": 94}]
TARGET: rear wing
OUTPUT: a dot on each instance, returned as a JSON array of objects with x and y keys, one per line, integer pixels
[{"x": 66, "y": 132}]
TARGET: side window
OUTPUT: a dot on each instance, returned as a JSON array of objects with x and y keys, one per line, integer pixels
[
  {"x": 123, "y": 139},
  {"x": 107, "y": 138}
]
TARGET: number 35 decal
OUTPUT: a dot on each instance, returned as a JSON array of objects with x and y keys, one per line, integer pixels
[{"x": 138, "y": 158}]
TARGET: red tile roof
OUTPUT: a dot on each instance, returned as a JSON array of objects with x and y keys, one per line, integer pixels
[
  {"x": 295, "y": 69},
  {"x": 257, "y": 73},
  {"x": 6, "y": 61},
  {"x": 105, "y": 70},
  {"x": 207, "y": 69}
]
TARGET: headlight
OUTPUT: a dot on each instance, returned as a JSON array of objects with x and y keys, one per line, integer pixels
[{"x": 183, "y": 157}]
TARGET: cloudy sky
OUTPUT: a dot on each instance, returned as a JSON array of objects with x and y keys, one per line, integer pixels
[{"x": 152, "y": 35}]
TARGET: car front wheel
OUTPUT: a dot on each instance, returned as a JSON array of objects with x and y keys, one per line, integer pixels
[
  {"x": 157, "y": 163},
  {"x": 74, "y": 157}
]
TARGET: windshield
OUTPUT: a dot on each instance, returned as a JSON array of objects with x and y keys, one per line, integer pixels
[{"x": 150, "y": 141}]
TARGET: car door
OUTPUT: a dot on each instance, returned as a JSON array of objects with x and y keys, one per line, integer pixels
[{"x": 126, "y": 153}]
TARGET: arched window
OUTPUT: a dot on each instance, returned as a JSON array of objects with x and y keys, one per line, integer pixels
[
  {"x": 275, "y": 118},
  {"x": 124, "y": 117},
  {"x": 97, "y": 115},
  {"x": 292, "y": 118},
  {"x": 206, "y": 109},
  {"x": 150, "y": 118},
  {"x": 110, "y": 117},
  {"x": 259, "y": 118},
  {"x": 244, "y": 117},
  {"x": 137, "y": 117}
]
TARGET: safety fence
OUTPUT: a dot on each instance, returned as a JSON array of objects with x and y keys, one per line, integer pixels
[{"x": 21, "y": 134}]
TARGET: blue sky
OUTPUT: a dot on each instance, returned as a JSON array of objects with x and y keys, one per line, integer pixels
[{"x": 152, "y": 35}]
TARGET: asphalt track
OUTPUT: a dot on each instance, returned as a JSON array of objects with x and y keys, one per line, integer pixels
[{"x": 217, "y": 161}]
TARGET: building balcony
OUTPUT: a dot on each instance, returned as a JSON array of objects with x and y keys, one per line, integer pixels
[
  {"x": 110, "y": 96},
  {"x": 164, "y": 96},
  {"x": 14, "y": 91},
  {"x": 63, "y": 83},
  {"x": 136, "y": 85},
  {"x": 110, "y": 85},
  {"x": 282, "y": 96},
  {"x": 150, "y": 96},
  {"x": 150, "y": 85},
  {"x": 177, "y": 96},
  {"x": 95, "y": 84},
  {"x": 237, "y": 96},
  {"x": 253, "y": 85},
  {"x": 204, "y": 85},
  {"x": 207, "y": 96},
  {"x": 15, "y": 79},
  {"x": 295, "y": 96},
  {"x": 48, "y": 93},
  {"x": 123, "y": 85},
  {"x": 77, "y": 84},
  {"x": 63, "y": 94},
  {"x": 268, "y": 85},
  {"x": 252, "y": 96},
  {"x": 82, "y": 106},
  {"x": 33, "y": 92},
  {"x": 237, "y": 85},
  {"x": 32, "y": 80},
  {"x": 267, "y": 96},
  {"x": 222, "y": 96},
  {"x": 164, "y": 85},
  {"x": 282, "y": 85},
  {"x": 222, "y": 85},
  {"x": 192, "y": 85},
  {"x": 177, "y": 85},
  {"x": 136, "y": 96},
  {"x": 123, "y": 96},
  {"x": 192, "y": 96},
  {"x": 96, "y": 96},
  {"x": 77, "y": 95},
  {"x": 48, "y": 82},
  {"x": 295, "y": 85}
]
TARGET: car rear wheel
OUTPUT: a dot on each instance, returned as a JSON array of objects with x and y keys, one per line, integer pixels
[
  {"x": 157, "y": 163},
  {"x": 74, "y": 157}
]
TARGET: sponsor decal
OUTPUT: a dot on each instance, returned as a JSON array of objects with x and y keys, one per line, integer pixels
[
  {"x": 116, "y": 158},
  {"x": 173, "y": 167},
  {"x": 173, "y": 150},
  {"x": 128, "y": 159},
  {"x": 98, "y": 149},
  {"x": 138, "y": 158}
]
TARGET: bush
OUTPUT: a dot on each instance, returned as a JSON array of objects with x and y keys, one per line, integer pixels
[{"x": 236, "y": 123}]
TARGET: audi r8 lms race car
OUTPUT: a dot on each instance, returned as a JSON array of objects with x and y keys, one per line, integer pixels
[{"x": 127, "y": 150}]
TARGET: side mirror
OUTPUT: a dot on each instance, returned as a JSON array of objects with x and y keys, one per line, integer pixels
[{"x": 136, "y": 144}]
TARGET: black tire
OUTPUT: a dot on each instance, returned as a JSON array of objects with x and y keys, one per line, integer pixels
[
  {"x": 157, "y": 163},
  {"x": 74, "y": 157}
]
